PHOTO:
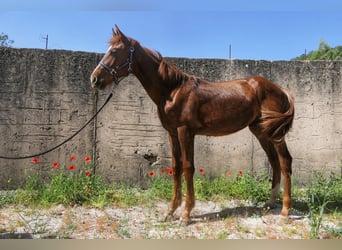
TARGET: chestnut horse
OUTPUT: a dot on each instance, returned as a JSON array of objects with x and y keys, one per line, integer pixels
[{"x": 189, "y": 106}]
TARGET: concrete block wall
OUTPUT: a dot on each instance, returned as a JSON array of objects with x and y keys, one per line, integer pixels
[{"x": 46, "y": 96}]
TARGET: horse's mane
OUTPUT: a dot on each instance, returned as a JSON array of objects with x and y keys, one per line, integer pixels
[
  {"x": 170, "y": 72},
  {"x": 167, "y": 70}
]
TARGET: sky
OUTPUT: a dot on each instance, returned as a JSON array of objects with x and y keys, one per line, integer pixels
[{"x": 255, "y": 29}]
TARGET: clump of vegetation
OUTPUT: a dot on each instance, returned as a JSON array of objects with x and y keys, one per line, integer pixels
[
  {"x": 5, "y": 41},
  {"x": 79, "y": 186},
  {"x": 324, "y": 52},
  {"x": 244, "y": 186},
  {"x": 324, "y": 194}
]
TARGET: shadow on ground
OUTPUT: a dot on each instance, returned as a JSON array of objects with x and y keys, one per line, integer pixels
[{"x": 299, "y": 211}]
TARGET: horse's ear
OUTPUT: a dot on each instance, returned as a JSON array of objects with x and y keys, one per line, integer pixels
[
  {"x": 119, "y": 32},
  {"x": 113, "y": 31}
]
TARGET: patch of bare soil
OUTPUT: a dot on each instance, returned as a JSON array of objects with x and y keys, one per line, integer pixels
[{"x": 210, "y": 220}]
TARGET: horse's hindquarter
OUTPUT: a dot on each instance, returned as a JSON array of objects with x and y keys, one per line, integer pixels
[{"x": 213, "y": 108}]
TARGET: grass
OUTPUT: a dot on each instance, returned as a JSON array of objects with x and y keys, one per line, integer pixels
[
  {"x": 77, "y": 188},
  {"x": 84, "y": 189},
  {"x": 322, "y": 195}
]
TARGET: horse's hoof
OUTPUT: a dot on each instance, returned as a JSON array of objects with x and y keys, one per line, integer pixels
[
  {"x": 270, "y": 205},
  {"x": 284, "y": 212},
  {"x": 183, "y": 222},
  {"x": 168, "y": 217}
]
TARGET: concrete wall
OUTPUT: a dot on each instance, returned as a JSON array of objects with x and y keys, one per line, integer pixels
[{"x": 46, "y": 96}]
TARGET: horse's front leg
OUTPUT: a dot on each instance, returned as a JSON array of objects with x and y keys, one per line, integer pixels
[
  {"x": 177, "y": 175},
  {"x": 186, "y": 140}
]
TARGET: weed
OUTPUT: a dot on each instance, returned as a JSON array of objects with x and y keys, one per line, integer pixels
[
  {"x": 222, "y": 235},
  {"x": 249, "y": 187},
  {"x": 77, "y": 185},
  {"x": 6, "y": 197},
  {"x": 323, "y": 194},
  {"x": 161, "y": 188}
]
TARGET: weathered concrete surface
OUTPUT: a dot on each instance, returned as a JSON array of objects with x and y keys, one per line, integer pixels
[{"x": 46, "y": 96}]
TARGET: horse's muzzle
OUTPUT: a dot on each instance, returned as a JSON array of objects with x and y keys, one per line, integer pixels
[{"x": 96, "y": 83}]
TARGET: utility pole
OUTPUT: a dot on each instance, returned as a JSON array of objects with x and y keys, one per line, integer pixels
[
  {"x": 305, "y": 54},
  {"x": 46, "y": 41},
  {"x": 230, "y": 52}
]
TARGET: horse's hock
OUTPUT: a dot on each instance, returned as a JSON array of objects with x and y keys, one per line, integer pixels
[{"x": 45, "y": 96}]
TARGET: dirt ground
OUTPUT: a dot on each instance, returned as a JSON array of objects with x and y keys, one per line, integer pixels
[{"x": 210, "y": 220}]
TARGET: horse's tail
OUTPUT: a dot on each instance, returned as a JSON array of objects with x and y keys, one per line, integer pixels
[{"x": 276, "y": 124}]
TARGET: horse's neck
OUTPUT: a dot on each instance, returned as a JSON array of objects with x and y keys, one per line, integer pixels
[{"x": 146, "y": 71}]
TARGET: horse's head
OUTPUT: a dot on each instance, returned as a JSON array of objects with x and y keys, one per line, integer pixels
[{"x": 116, "y": 63}]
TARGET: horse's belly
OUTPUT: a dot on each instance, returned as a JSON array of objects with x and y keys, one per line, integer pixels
[
  {"x": 226, "y": 121},
  {"x": 218, "y": 129}
]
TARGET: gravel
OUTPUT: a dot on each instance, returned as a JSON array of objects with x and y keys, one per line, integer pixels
[{"x": 210, "y": 220}]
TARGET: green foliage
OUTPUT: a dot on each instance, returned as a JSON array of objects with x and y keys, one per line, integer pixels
[
  {"x": 215, "y": 189},
  {"x": 161, "y": 188},
  {"x": 324, "y": 189},
  {"x": 69, "y": 189},
  {"x": 77, "y": 188},
  {"x": 63, "y": 188},
  {"x": 244, "y": 186},
  {"x": 248, "y": 187},
  {"x": 324, "y": 52},
  {"x": 122, "y": 195},
  {"x": 6, "y": 198},
  {"x": 4, "y": 41},
  {"x": 324, "y": 193}
]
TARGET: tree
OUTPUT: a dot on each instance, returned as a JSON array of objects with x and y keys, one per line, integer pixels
[
  {"x": 324, "y": 52},
  {"x": 4, "y": 41}
]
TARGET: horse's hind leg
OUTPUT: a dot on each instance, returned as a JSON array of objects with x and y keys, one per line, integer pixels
[
  {"x": 272, "y": 156},
  {"x": 280, "y": 160},
  {"x": 285, "y": 161}
]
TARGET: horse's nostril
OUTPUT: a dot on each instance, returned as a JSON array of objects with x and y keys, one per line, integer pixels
[{"x": 93, "y": 79}]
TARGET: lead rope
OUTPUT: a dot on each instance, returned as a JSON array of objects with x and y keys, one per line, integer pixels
[
  {"x": 116, "y": 79},
  {"x": 65, "y": 141}
]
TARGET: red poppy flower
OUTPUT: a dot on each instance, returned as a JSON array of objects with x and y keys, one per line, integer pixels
[
  {"x": 201, "y": 170},
  {"x": 163, "y": 171},
  {"x": 228, "y": 173},
  {"x": 151, "y": 173},
  {"x": 72, "y": 167},
  {"x": 87, "y": 159},
  {"x": 240, "y": 172},
  {"x": 87, "y": 173},
  {"x": 55, "y": 165},
  {"x": 35, "y": 160},
  {"x": 72, "y": 158},
  {"x": 90, "y": 191},
  {"x": 169, "y": 170},
  {"x": 203, "y": 174}
]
